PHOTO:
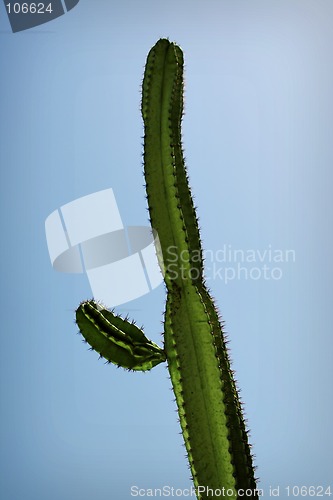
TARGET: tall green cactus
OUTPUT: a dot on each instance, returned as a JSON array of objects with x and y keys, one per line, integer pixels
[{"x": 194, "y": 347}]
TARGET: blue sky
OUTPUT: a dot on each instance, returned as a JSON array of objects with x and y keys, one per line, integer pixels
[{"x": 257, "y": 135}]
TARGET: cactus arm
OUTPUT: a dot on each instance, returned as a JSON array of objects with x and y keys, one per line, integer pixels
[
  {"x": 210, "y": 413},
  {"x": 169, "y": 198},
  {"x": 117, "y": 340}
]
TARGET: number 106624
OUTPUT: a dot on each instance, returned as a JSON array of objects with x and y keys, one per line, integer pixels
[{"x": 29, "y": 8}]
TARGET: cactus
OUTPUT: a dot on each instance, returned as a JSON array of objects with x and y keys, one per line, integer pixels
[{"x": 209, "y": 409}]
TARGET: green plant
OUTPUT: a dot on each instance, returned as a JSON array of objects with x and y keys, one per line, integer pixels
[{"x": 209, "y": 409}]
